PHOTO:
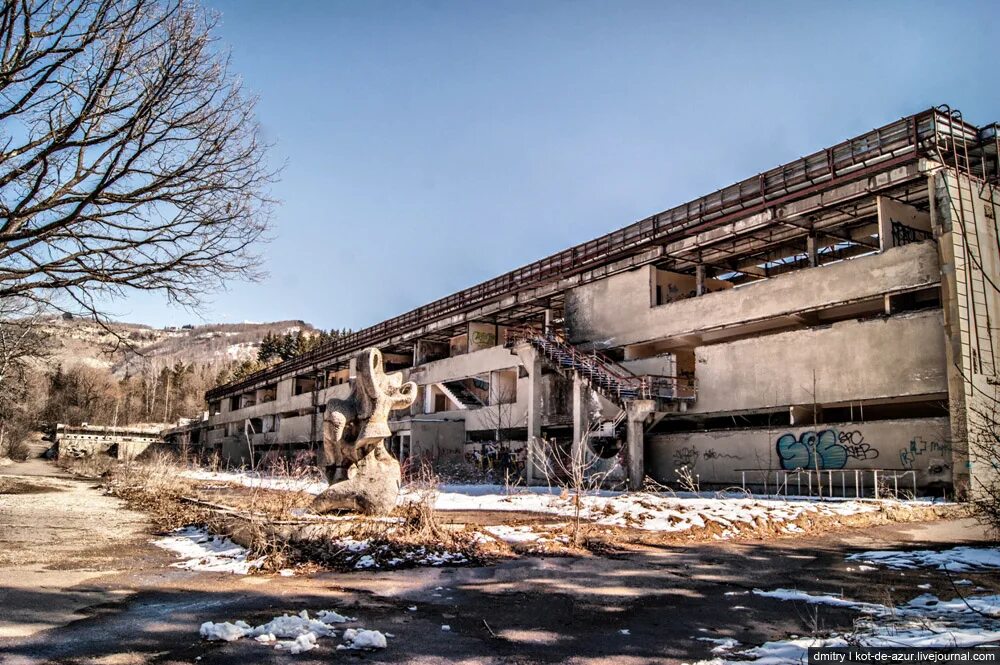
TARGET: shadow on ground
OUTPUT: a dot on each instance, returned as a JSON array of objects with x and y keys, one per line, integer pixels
[{"x": 529, "y": 610}]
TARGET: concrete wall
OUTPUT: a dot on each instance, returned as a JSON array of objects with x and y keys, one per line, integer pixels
[
  {"x": 465, "y": 365},
  {"x": 434, "y": 439},
  {"x": 899, "y": 356},
  {"x": 922, "y": 445},
  {"x": 674, "y": 286},
  {"x": 125, "y": 446},
  {"x": 616, "y": 311},
  {"x": 966, "y": 217},
  {"x": 662, "y": 365}
]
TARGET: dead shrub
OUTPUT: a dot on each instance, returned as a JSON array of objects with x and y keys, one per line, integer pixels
[
  {"x": 17, "y": 450},
  {"x": 90, "y": 466}
]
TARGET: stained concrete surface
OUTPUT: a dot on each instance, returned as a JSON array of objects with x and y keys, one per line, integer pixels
[{"x": 121, "y": 603}]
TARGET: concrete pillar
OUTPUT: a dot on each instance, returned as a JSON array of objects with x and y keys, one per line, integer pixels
[
  {"x": 636, "y": 413},
  {"x": 811, "y": 251},
  {"x": 533, "y": 365},
  {"x": 699, "y": 280},
  {"x": 581, "y": 419}
]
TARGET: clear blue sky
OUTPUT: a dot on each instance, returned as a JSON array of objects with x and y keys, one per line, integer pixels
[{"x": 432, "y": 145}]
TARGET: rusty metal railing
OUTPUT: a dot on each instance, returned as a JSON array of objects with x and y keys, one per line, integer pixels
[{"x": 602, "y": 373}]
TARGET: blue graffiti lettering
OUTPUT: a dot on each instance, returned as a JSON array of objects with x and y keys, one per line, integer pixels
[{"x": 812, "y": 450}]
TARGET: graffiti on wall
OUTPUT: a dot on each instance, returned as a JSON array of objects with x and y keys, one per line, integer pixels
[
  {"x": 824, "y": 450},
  {"x": 685, "y": 457},
  {"x": 932, "y": 455},
  {"x": 689, "y": 456},
  {"x": 712, "y": 453}
]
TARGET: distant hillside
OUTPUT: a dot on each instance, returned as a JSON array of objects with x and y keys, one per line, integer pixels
[{"x": 81, "y": 341}]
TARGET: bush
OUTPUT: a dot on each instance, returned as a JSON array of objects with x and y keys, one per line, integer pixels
[{"x": 18, "y": 450}]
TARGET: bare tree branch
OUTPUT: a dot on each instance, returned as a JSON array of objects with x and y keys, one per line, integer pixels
[{"x": 130, "y": 158}]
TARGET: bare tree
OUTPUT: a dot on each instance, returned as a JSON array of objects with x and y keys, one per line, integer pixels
[
  {"x": 129, "y": 156},
  {"x": 500, "y": 456},
  {"x": 22, "y": 342}
]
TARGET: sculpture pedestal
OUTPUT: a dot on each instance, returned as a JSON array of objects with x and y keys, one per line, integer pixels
[{"x": 371, "y": 487}]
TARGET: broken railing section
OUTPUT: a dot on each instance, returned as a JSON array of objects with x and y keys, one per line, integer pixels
[{"x": 604, "y": 375}]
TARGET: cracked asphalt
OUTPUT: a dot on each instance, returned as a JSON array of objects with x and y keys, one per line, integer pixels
[{"x": 80, "y": 584}]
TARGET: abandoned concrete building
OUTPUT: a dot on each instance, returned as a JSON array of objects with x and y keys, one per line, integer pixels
[
  {"x": 119, "y": 442},
  {"x": 833, "y": 317}
]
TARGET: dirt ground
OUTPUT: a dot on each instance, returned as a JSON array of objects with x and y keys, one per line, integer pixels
[{"x": 80, "y": 584}]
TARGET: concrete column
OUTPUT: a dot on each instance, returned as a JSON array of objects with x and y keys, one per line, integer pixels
[
  {"x": 811, "y": 251},
  {"x": 533, "y": 364},
  {"x": 699, "y": 280},
  {"x": 636, "y": 413},
  {"x": 581, "y": 419}
]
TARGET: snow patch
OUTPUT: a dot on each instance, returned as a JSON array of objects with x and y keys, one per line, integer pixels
[
  {"x": 295, "y": 633},
  {"x": 959, "y": 559},
  {"x": 925, "y": 621},
  {"x": 206, "y": 552},
  {"x": 791, "y": 594},
  {"x": 363, "y": 639}
]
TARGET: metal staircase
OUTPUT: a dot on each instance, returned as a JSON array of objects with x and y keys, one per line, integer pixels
[{"x": 604, "y": 375}]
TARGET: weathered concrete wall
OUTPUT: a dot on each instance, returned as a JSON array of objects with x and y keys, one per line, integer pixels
[
  {"x": 102, "y": 442},
  {"x": 674, "y": 286},
  {"x": 435, "y": 439},
  {"x": 662, "y": 365},
  {"x": 899, "y": 356},
  {"x": 465, "y": 365},
  {"x": 966, "y": 219},
  {"x": 616, "y": 311},
  {"x": 922, "y": 445}
]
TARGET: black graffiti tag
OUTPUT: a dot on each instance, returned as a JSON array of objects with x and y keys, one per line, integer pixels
[{"x": 856, "y": 446}]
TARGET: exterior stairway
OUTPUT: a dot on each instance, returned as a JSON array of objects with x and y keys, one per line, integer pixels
[{"x": 605, "y": 376}]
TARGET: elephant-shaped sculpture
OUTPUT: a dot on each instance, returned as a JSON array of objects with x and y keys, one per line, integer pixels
[{"x": 363, "y": 475}]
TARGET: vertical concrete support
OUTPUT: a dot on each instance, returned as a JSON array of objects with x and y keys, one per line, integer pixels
[
  {"x": 963, "y": 219},
  {"x": 699, "y": 280},
  {"x": 636, "y": 414},
  {"x": 581, "y": 419},
  {"x": 811, "y": 250},
  {"x": 942, "y": 223},
  {"x": 533, "y": 365}
]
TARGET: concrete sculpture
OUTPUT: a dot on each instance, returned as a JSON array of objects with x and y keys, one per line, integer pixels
[{"x": 363, "y": 475}]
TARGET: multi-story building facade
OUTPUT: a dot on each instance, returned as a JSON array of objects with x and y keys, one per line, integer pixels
[{"x": 835, "y": 314}]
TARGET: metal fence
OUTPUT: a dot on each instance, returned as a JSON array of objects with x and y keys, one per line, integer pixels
[{"x": 844, "y": 483}]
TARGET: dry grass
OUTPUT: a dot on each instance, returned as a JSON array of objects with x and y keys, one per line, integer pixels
[
  {"x": 155, "y": 486},
  {"x": 266, "y": 522},
  {"x": 91, "y": 466}
]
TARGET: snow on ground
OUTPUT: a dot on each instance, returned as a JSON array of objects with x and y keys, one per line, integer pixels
[
  {"x": 365, "y": 555},
  {"x": 258, "y": 480},
  {"x": 647, "y": 511},
  {"x": 295, "y": 633},
  {"x": 526, "y": 537},
  {"x": 363, "y": 639},
  {"x": 925, "y": 621},
  {"x": 957, "y": 559},
  {"x": 203, "y": 551},
  {"x": 642, "y": 510},
  {"x": 802, "y": 596},
  {"x": 722, "y": 644}
]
